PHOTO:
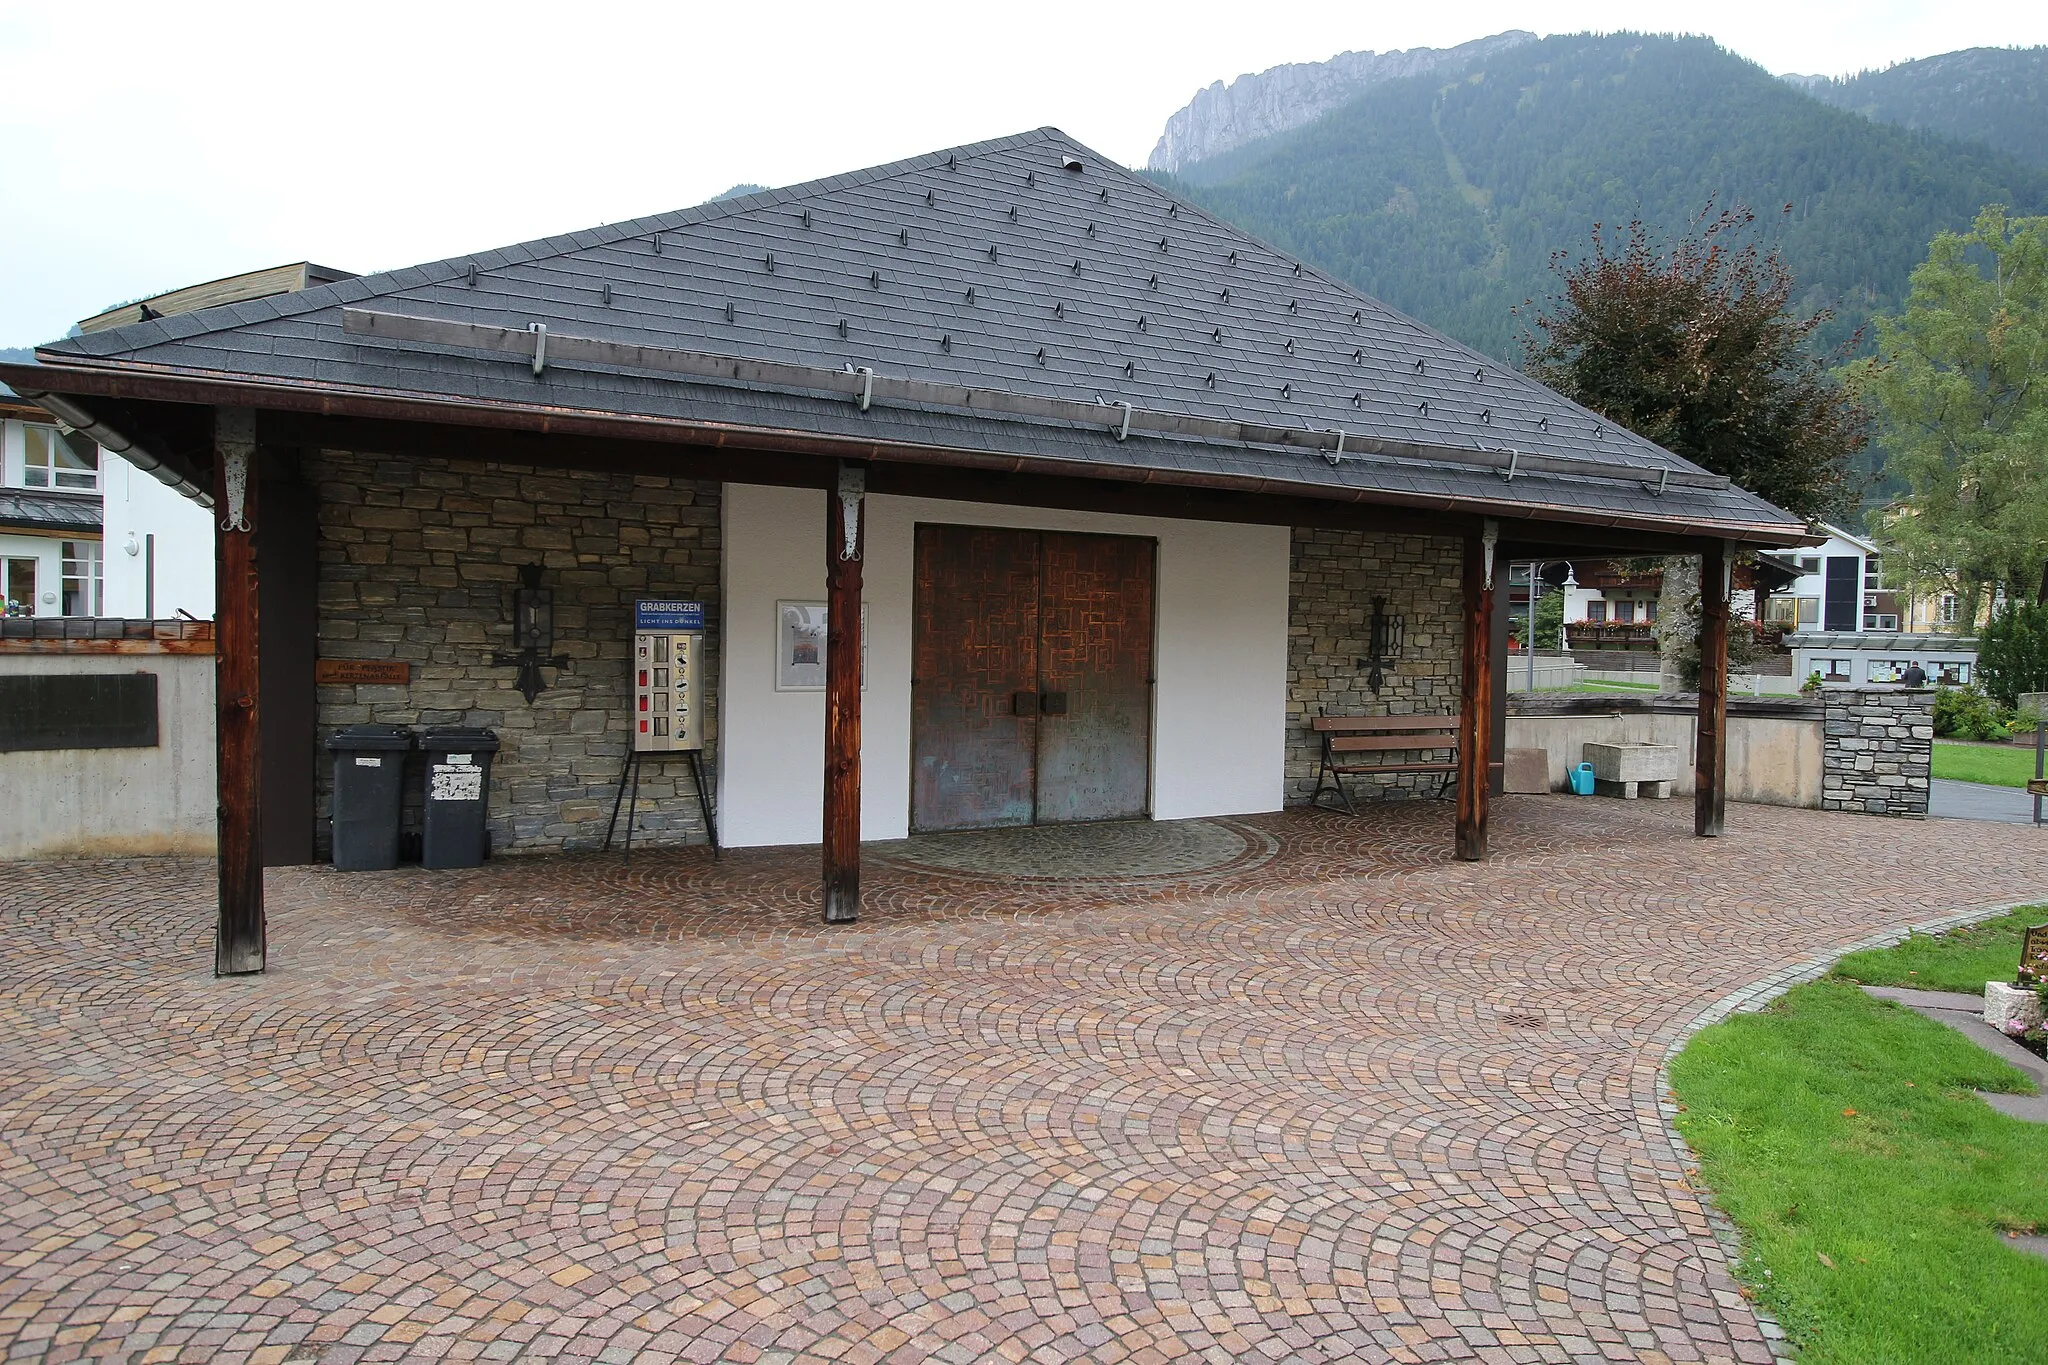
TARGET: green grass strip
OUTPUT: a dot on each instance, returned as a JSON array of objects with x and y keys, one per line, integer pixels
[
  {"x": 1960, "y": 959},
  {"x": 1996, "y": 764},
  {"x": 1871, "y": 1187}
]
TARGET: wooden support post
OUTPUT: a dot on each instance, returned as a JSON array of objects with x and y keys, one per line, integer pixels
[
  {"x": 1475, "y": 694},
  {"x": 239, "y": 942},
  {"x": 845, "y": 545},
  {"x": 1710, "y": 763}
]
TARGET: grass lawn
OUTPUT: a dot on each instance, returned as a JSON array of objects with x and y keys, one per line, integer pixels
[
  {"x": 1870, "y": 1185},
  {"x": 1955, "y": 960},
  {"x": 1993, "y": 763},
  {"x": 1598, "y": 685}
]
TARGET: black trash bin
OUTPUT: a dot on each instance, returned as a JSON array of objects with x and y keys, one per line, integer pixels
[
  {"x": 369, "y": 787},
  {"x": 458, "y": 795}
]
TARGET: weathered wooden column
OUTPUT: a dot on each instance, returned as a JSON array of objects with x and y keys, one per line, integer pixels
[
  {"x": 239, "y": 944},
  {"x": 1475, "y": 694},
  {"x": 1710, "y": 761},
  {"x": 845, "y": 546}
]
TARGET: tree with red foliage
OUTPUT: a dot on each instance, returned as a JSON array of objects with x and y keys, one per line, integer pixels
[{"x": 1693, "y": 345}]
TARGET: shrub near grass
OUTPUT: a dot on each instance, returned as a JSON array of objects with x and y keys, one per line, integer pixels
[{"x": 1870, "y": 1185}]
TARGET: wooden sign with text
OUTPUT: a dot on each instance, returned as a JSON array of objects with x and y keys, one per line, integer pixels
[{"x": 340, "y": 672}]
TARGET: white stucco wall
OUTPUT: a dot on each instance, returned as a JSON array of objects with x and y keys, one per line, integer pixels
[
  {"x": 135, "y": 506},
  {"x": 106, "y": 803},
  {"x": 1219, "y": 709}
]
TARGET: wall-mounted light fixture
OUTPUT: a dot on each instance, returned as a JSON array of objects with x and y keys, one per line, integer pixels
[
  {"x": 1385, "y": 644},
  {"x": 533, "y": 634}
]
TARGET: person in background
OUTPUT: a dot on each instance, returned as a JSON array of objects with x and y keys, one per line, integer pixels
[{"x": 1915, "y": 675}]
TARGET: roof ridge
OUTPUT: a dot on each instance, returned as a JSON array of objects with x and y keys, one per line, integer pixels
[{"x": 359, "y": 287}]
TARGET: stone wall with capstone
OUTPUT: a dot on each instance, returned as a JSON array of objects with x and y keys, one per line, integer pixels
[
  {"x": 1334, "y": 576},
  {"x": 418, "y": 561},
  {"x": 1877, "y": 750}
]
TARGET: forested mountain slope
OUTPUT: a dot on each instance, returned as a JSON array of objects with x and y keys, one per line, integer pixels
[
  {"x": 1994, "y": 95},
  {"x": 1447, "y": 198}
]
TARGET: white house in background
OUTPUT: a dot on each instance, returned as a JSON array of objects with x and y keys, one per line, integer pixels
[
  {"x": 1840, "y": 589},
  {"x": 1846, "y": 624},
  {"x": 50, "y": 552},
  {"x": 159, "y": 546}
]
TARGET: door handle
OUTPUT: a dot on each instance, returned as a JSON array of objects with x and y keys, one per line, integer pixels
[
  {"x": 1052, "y": 703},
  {"x": 1024, "y": 704}
]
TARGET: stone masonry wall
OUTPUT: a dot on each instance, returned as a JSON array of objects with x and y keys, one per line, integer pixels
[
  {"x": 1877, "y": 751},
  {"x": 418, "y": 561},
  {"x": 1334, "y": 577}
]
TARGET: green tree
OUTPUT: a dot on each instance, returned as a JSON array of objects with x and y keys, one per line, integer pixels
[
  {"x": 2012, "y": 656},
  {"x": 1959, "y": 385}
]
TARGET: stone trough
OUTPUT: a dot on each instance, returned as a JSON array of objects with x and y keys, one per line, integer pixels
[{"x": 1633, "y": 770}]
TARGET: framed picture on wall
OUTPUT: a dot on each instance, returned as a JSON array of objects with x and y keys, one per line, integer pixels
[{"x": 800, "y": 646}]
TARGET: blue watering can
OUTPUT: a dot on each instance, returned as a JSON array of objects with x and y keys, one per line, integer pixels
[{"x": 1582, "y": 779}]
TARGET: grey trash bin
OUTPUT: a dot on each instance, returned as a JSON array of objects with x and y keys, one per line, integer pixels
[
  {"x": 369, "y": 786},
  {"x": 458, "y": 795}
]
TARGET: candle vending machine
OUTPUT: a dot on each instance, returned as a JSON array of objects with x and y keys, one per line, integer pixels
[
  {"x": 668, "y": 649},
  {"x": 668, "y": 706}
]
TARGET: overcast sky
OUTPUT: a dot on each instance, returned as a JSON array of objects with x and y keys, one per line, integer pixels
[{"x": 152, "y": 145}]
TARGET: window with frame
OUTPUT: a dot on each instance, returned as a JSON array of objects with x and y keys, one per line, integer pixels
[
  {"x": 1782, "y": 610},
  {"x": 1624, "y": 613},
  {"x": 1951, "y": 608},
  {"x": 84, "y": 586},
  {"x": 58, "y": 459},
  {"x": 1809, "y": 611},
  {"x": 1873, "y": 575},
  {"x": 1596, "y": 611},
  {"x": 1809, "y": 563}
]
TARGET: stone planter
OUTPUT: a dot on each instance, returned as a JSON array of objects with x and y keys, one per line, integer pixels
[
  {"x": 2011, "y": 1005},
  {"x": 1632, "y": 770}
]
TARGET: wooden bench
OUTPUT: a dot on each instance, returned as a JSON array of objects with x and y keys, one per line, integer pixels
[{"x": 1344, "y": 736}]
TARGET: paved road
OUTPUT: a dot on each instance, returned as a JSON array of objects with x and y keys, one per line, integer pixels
[
  {"x": 1304, "y": 1091},
  {"x": 1979, "y": 801}
]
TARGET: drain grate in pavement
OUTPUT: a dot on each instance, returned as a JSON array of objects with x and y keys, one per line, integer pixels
[{"x": 1524, "y": 1020}]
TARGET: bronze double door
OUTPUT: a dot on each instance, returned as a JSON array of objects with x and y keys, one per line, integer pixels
[{"x": 1031, "y": 686}]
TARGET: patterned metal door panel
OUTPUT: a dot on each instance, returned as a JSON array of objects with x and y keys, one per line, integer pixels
[
  {"x": 976, "y": 649},
  {"x": 1094, "y": 678}
]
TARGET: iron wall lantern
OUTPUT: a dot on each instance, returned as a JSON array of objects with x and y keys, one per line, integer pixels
[{"x": 533, "y": 634}]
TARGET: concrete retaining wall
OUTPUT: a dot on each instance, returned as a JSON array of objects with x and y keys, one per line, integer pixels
[
  {"x": 1775, "y": 749},
  {"x": 111, "y": 803}
]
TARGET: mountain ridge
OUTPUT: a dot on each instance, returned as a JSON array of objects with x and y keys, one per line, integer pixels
[
  {"x": 1446, "y": 199},
  {"x": 1221, "y": 118}
]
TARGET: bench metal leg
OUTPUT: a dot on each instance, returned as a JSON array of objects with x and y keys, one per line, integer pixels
[{"x": 1329, "y": 779}]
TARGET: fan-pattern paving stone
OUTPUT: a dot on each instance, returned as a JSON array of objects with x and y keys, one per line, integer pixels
[{"x": 1316, "y": 1093}]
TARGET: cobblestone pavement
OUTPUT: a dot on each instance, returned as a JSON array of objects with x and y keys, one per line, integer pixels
[{"x": 1309, "y": 1092}]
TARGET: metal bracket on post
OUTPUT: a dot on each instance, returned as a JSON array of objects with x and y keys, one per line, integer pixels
[
  {"x": 1334, "y": 456},
  {"x": 1489, "y": 536},
  {"x": 853, "y": 487},
  {"x": 540, "y": 347},
  {"x": 867, "y": 391},
  {"x": 1124, "y": 430},
  {"x": 236, "y": 473},
  {"x": 1514, "y": 466}
]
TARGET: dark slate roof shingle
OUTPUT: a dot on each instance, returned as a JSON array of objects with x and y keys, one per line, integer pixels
[{"x": 989, "y": 266}]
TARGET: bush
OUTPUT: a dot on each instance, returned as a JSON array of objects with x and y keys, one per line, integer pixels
[
  {"x": 2012, "y": 654},
  {"x": 1966, "y": 713}
]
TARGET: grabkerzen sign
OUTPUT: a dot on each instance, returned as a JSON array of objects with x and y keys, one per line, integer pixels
[{"x": 339, "y": 672}]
